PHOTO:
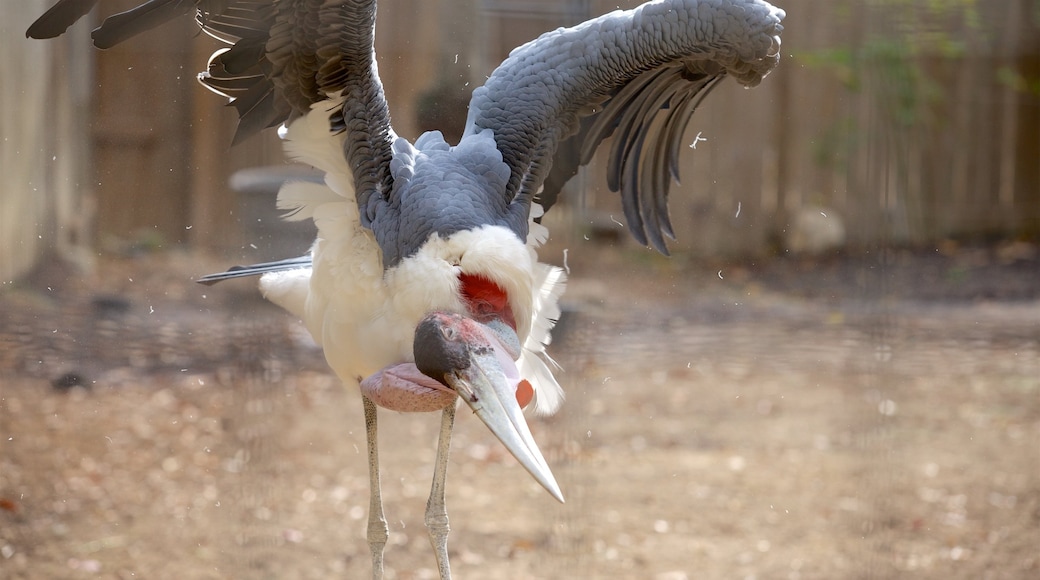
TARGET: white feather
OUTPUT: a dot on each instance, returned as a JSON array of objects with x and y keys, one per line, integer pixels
[
  {"x": 363, "y": 317},
  {"x": 534, "y": 363},
  {"x": 547, "y": 286},
  {"x": 289, "y": 290},
  {"x": 346, "y": 276},
  {"x": 299, "y": 199}
]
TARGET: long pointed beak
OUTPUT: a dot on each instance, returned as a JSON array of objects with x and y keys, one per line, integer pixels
[
  {"x": 492, "y": 396},
  {"x": 476, "y": 360}
]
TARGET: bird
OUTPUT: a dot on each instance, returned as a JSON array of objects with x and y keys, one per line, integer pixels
[{"x": 424, "y": 285}]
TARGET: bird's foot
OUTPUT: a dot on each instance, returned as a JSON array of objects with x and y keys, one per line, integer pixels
[{"x": 377, "y": 536}]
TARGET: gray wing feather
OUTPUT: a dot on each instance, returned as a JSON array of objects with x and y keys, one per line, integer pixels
[
  {"x": 348, "y": 64},
  {"x": 638, "y": 75}
]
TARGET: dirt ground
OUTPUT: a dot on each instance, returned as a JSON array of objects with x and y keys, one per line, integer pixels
[{"x": 868, "y": 416}]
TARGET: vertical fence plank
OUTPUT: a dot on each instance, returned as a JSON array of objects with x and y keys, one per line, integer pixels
[
  {"x": 818, "y": 131},
  {"x": 41, "y": 155}
]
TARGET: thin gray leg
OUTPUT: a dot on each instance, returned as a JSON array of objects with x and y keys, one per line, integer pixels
[
  {"x": 377, "y": 528},
  {"x": 436, "y": 511}
]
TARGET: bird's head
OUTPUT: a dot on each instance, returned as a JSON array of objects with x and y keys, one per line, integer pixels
[
  {"x": 476, "y": 361},
  {"x": 478, "y": 301}
]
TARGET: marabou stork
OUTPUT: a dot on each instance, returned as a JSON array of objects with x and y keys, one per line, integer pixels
[{"x": 423, "y": 285}]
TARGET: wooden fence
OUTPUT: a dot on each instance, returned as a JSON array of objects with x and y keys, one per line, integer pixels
[
  {"x": 907, "y": 121},
  {"x": 45, "y": 193}
]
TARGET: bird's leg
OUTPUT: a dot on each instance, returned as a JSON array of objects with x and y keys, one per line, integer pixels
[
  {"x": 377, "y": 528},
  {"x": 436, "y": 511}
]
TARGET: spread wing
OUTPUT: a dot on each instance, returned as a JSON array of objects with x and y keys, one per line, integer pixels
[
  {"x": 59, "y": 18},
  {"x": 636, "y": 75},
  {"x": 283, "y": 57}
]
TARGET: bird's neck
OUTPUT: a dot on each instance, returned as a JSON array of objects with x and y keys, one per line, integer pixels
[{"x": 486, "y": 300}]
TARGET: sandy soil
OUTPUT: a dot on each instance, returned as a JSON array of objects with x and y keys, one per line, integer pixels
[{"x": 862, "y": 417}]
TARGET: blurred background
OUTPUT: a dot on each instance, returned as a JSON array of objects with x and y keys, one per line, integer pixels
[
  {"x": 904, "y": 122},
  {"x": 836, "y": 375}
]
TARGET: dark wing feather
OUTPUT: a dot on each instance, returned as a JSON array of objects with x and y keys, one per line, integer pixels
[
  {"x": 346, "y": 59},
  {"x": 257, "y": 270},
  {"x": 59, "y": 18},
  {"x": 119, "y": 27},
  {"x": 636, "y": 76},
  {"x": 285, "y": 56}
]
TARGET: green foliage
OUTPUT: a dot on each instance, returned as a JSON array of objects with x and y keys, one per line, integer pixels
[
  {"x": 903, "y": 88},
  {"x": 838, "y": 61},
  {"x": 891, "y": 63},
  {"x": 835, "y": 145},
  {"x": 1019, "y": 82}
]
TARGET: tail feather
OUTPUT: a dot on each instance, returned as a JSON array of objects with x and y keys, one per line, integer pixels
[{"x": 257, "y": 270}]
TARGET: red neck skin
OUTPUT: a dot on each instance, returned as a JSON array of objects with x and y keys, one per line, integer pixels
[{"x": 486, "y": 300}]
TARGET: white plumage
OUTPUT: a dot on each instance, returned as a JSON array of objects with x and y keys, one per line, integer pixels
[{"x": 364, "y": 318}]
